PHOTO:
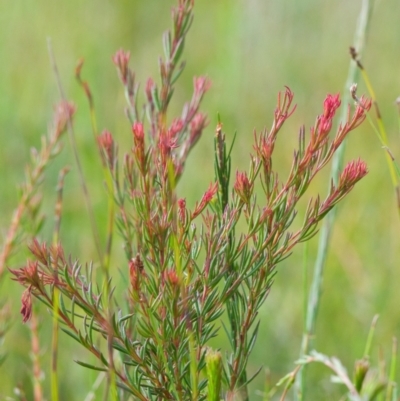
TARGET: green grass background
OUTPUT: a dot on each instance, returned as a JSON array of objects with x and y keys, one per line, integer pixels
[{"x": 250, "y": 49}]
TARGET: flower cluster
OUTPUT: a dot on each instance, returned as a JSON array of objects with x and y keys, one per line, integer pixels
[{"x": 183, "y": 272}]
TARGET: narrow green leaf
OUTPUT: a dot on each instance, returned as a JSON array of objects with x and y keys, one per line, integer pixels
[{"x": 89, "y": 366}]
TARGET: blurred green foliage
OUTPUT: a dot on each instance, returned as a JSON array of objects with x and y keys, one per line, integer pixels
[{"x": 250, "y": 50}]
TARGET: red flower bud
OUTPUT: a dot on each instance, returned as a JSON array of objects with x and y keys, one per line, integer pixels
[{"x": 26, "y": 308}]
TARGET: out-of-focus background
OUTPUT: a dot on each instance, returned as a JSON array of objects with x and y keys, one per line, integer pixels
[{"x": 250, "y": 49}]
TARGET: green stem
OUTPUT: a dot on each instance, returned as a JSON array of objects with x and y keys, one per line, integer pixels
[
  {"x": 71, "y": 134},
  {"x": 326, "y": 229}
]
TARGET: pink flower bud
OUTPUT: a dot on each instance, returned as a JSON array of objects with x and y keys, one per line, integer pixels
[
  {"x": 121, "y": 60},
  {"x": 352, "y": 173},
  {"x": 243, "y": 187},
  {"x": 197, "y": 125},
  {"x": 331, "y": 104},
  {"x": 63, "y": 113},
  {"x": 150, "y": 85},
  {"x": 176, "y": 127},
  {"x": 182, "y": 210},
  {"x": 106, "y": 144},
  {"x": 205, "y": 200},
  {"x": 201, "y": 85},
  {"x": 138, "y": 131}
]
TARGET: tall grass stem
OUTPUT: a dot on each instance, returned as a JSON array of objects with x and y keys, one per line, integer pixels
[
  {"x": 74, "y": 147},
  {"x": 327, "y": 226}
]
